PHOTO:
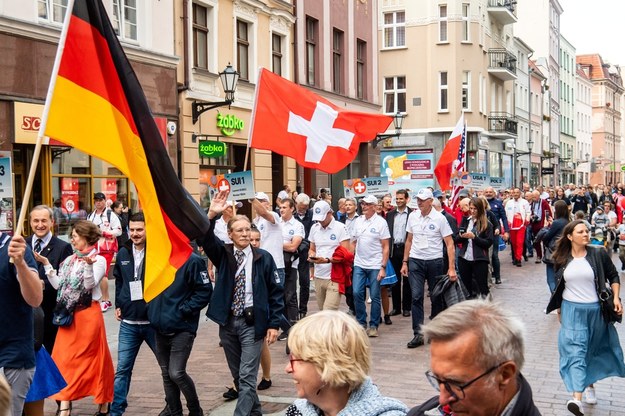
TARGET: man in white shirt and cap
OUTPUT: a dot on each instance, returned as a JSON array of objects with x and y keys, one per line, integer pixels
[{"x": 270, "y": 227}]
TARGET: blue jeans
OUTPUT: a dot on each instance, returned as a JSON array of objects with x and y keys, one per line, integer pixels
[
  {"x": 551, "y": 277},
  {"x": 131, "y": 336},
  {"x": 418, "y": 272},
  {"x": 494, "y": 260},
  {"x": 528, "y": 241},
  {"x": 172, "y": 353},
  {"x": 243, "y": 356},
  {"x": 363, "y": 278}
]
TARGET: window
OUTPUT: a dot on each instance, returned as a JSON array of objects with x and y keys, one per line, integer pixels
[
  {"x": 276, "y": 54},
  {"x": 394, "y": 95},
  {"x": 52, "y": 10},
  {"x": 442, "y": 88},
  {"x": 311, "y": 51},
  {"x": 466, "y": 90},
  {"x": 442, "y": 23},
  {"x": 243, "y": 50},
  {"x": 337, "y": 61},
  {"x": 125, "y": 19},
  {"x": 465, "y": 22},
  {"x": 361, "y": 68},
  {"x": 200, "y": 36},
  {"x": 394, "y": 29}
]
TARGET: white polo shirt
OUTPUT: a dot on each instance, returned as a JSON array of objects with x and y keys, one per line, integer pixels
[
  {"x": 271, "y": 237},
  {"x": 221, "y": 231},
  {"x": 428, "y": 233},
  {"x": 368, "y": 234},
  {"x": 290, "y": 229},
  {"x": 326, "y": 240}
]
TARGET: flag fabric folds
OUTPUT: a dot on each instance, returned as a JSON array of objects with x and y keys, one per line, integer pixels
[
  {"x": 293, "y": 121},
  {"x": 97, "y": 106},
  {"x": 452, "y": 160}
]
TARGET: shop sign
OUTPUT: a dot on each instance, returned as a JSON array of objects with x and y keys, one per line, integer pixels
[
  {"x": 27, "y": 120},
  {"x": 210, "y": 148},
  {"x": 547, "y": 171},
  {"x": 229, "y": 124}
]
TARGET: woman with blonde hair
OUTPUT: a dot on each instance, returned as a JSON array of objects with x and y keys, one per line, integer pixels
[{"x": 329, "y": 363}]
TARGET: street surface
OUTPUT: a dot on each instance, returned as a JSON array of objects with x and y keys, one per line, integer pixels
[{"x": 397, "y": 370}]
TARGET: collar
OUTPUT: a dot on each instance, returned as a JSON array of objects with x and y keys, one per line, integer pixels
[
  {"x": 405, "y": 210},
  {"x": 135, "y": 252},
  {"x": 44, "y": 241}
]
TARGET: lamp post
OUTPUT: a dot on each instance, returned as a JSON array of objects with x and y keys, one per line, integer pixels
[
  {"x": 398, "y": 120},
  {"x": 229, "y": 78},
  {"x": 530, "y": 144}
]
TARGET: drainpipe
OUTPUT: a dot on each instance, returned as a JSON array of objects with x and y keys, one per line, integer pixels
[{"x": 185, "y": 85}]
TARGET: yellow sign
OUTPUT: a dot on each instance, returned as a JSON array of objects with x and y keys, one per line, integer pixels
[{"x": 27, "y": 122}]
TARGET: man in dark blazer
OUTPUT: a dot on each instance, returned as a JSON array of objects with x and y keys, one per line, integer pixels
[
  {"x": 54, "y": 249},
  {"x": 397, "y": 220}
]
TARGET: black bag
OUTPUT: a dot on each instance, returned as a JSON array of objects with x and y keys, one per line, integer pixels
[
  {"x": 606, "y": 298},
  {"x": 61, "y": 316}
]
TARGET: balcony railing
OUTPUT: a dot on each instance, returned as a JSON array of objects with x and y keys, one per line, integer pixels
[
  {"x": 503, "y": 11},
  {"x": 503, "y": 124},
  {"x": 502, "y": 64}
]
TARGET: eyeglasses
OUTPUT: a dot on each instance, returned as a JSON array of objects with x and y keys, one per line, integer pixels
[
  {"x": 455, "y": 389},
  {"x": 292, "y": 360}
]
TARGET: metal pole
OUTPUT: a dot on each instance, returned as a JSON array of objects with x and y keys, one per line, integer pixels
[{"x": 529, "y": 118}]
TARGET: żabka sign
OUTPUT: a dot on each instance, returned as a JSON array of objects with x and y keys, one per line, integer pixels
[
  {"x": 229, "y": 124},
  {"x": 209, "y": 148}
]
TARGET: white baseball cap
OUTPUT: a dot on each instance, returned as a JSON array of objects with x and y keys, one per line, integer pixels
[
  {"x": 237, "y": 204},
  {"x": 283, "y": 195},
  {"x": 261, "y": 196},
  {"x": 320, "y": 210},
  {"x": 369, "y": 199},
  {"x": 424, "y": 194}
]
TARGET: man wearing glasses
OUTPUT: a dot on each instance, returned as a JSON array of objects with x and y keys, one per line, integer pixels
[{"x": 476, "y": 363}]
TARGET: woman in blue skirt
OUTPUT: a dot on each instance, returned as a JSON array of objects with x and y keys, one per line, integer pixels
[{"x": 589, "y": 347}]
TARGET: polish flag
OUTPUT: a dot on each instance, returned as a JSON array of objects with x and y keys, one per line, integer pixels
[
  {"x": 452, "y": 160},
  {"x": 292, "y": 121}
]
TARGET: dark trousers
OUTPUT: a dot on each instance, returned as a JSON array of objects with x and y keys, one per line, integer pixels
[
  {"x": 172, "y": 354},
  {"x": 474, "y": 271},
  {"x": 290, "y": 294},
  {"x": 49, "y": 329},
  {"x": 303, "y": 271},
  {"x": 494, "y": 261},
  {"x": 418, "y": 272},
  {"x": 400, "y": 293}
]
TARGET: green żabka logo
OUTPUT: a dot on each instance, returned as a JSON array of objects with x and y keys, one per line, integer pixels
[
  {"x": 229, "y": 124},
  {"x": 211, "y": 148}
]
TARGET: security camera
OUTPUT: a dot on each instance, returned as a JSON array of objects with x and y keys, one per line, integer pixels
[{"x": 171, "y": 128}]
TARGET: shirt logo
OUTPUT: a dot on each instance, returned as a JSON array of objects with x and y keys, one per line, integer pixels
[
  {"x": 125, "y": 262},
  {"x": 276, "y": 277},
  {"x": 262, "y": 227},
  {"x": 432, "y": 227},
  {"x": 374, "y": 231},
  {"x": 332, "y": 237},
  {"x": 204, "y": 276},
  {"x": 291, "y": 232},
  {"x": 317, "y": 210}
]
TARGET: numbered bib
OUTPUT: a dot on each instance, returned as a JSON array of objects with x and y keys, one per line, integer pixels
[{"x": 136, "y": 290}]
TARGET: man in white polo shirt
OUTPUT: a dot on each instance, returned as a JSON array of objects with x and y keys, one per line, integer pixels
[
  {"x": 292, "y": 235},
  {"x": 370, "y": 241},
  {"x": 428, "y": 230},
  {"x": 325, "y": 236},
  {"x": 270, "y": 227}
]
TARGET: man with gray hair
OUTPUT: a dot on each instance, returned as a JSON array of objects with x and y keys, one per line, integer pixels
[{"x": 476, "y": 362}]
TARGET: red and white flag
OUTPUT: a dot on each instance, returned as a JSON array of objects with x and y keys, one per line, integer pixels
[
  {"x": 293, "y": 121},
  {"x": 452, "y": 163}
]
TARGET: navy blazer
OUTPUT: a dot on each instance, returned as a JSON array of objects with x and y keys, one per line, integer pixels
[{"x": 56, "y": 251}]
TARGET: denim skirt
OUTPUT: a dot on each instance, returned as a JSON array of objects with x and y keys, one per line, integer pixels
[{"x": 589, "y": 348}]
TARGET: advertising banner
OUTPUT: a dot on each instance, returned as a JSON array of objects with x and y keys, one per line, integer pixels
[
  {"x": 69, "y": 194},
  {"x": 407, "y": 169}
]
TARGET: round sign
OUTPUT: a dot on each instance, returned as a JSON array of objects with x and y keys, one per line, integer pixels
[
  {"x": 359, "y": 187},
  {"x": 70, "y": 205},
  {"x": 223, "y": 185}
]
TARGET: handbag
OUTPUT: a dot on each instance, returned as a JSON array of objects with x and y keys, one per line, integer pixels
[
  {"x": 606, "y": 298},
  {"x": 391, "y": 276},
  {"x": 61, "y": 316}
]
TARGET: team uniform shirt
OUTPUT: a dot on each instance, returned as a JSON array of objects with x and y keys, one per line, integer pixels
[
  {"x": 221, "y": 231},
  {"x": 428, "y": 233},
  {"x": 368, "y": 234},
  {"x": 520, "y": 207},
  {"x": 326, "y": 240},
  {"x": 271, "y": 237},
  {"x": 291, "y": 229}
]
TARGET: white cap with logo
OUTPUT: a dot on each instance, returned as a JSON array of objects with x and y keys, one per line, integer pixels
[
  {"x": 320, "y": 210},
  {"x": 261, "y": 196},
  {"x": 424, "y": 194},
  {"x": 369, "y": 199}
]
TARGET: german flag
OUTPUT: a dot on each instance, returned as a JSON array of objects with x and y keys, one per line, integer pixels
[{"x": 96, "y": 105}]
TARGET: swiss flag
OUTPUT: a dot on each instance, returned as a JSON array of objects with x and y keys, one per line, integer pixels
[{"x": 293, "y": 121}]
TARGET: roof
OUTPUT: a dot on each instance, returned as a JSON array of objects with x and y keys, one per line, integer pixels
[
  {"x": 595, "y": 68},
  {"x": 535, "y": 69}
]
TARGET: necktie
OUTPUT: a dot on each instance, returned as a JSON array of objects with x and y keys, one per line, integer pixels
[
  {"x": 38, "y": 245},
  {"x": 238, "y": 301}
]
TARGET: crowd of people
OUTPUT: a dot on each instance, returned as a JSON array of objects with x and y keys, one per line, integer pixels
[{"x": 371, "y": 257}]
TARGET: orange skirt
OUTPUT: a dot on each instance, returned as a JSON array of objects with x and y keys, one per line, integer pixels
[{"x": 82, "y": 354}]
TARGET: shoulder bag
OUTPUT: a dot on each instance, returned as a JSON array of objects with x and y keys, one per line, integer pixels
[{"x": 606, "y": 297}]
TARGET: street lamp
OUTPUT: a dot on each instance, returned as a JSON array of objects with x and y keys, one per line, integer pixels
[
  {"x": 229, "y": 79},
  {"x": 530, "y": 144},
  {"x": 398, "y": 120}
]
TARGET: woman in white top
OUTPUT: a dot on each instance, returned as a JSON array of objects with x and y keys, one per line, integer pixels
[
  {"x": 589, "y": 347},
  {"x": 81, "y": 351}
]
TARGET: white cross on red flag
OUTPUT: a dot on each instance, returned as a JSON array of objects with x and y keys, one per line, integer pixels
[{"x": 292, "y": 121}]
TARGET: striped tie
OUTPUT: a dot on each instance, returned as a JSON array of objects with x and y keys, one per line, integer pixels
[{"x": 238, "y": 302}]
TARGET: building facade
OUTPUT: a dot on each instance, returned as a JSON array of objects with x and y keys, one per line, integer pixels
[
  {"x": 566, "y": 86},
  {"x": 583, "y": 125}
]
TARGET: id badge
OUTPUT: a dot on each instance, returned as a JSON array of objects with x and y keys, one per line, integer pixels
[
  {"x": 136, "y": 290},
  {"x": 420, "y": 242}
]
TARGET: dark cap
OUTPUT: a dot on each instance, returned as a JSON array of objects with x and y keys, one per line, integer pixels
[
  {"x": 437, "y": 194},
  {"x": 99, "y": 195}
]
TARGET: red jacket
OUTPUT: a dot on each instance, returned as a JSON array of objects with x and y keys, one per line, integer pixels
[{"x": 341, "y": 272}]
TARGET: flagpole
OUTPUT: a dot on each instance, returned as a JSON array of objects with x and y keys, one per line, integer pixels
[
  {"x": 249, "y": 137},
  {"x": 44, "y": 121}
]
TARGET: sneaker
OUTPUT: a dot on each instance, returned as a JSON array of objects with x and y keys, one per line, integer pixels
[
  {"x": 589, "y": 395},
  {"x": 264, "y": 384},
  {"x": 372, "y": 332},
  {"x": 283, "y": 336},
  {"x": 104, "y": 306},
  {"x": 576, "y": 407}
]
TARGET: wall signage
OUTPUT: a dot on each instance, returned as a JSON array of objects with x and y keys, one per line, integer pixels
[
  {"x": 210, "y": 148},
  {"x": 229, "y": 124}
]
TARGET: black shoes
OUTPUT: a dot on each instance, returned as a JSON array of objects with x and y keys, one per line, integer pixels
[
  {"x": 497, "y": 281},
  {"x": 417, "y": 341},
  {"x": 395, "y": 312},
  {"x": 263, "y": 385},
  {"x": 283, "y": 336},
  {"x": 302, "y": 315},
  {"x": 406, "y": 313},
  {"x": 231, "y": 394},
  {"x": 387, "y": 320}
]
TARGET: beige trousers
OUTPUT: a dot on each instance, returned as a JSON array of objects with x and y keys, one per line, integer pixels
[{"x": 328, "y": 296}]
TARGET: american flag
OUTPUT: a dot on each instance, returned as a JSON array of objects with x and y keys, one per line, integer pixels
[{"x": 459, "y": 168}]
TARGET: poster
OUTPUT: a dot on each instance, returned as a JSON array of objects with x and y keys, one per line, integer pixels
[
  {"x": 358, "y": 187},
  {"x": 407, "y": 169},
  {"x": 7, "y": 211},
  {"x": 240, "y": 185}
]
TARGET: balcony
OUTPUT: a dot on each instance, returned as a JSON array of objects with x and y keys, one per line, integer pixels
[
  {"x": 502, "y": 125},
  {"x": 502, "y": 64},
  {"x": 503, "y": 11}
]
